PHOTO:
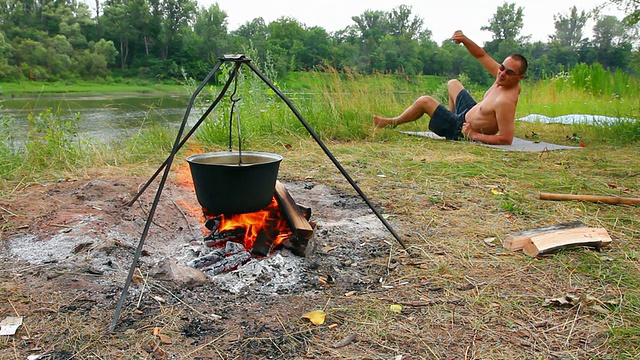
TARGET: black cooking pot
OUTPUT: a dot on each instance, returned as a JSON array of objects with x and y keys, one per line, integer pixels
[{"x": 232, "y": 182}]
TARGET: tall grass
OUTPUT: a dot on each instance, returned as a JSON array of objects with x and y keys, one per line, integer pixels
[
  {"x": 597, "y": 80},
  {"x": 335, "y": 105},
  {"x": 9, "y": 156},
  {"x": 51, "y": 140}
]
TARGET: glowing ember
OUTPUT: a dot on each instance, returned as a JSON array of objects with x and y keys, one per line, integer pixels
[{"x": 266, "y": 222}]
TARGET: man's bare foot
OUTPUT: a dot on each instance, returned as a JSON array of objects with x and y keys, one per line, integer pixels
[{"x": 381, "y": 122}]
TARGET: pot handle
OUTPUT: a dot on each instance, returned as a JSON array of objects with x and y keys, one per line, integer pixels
[{"x": 234, "y": 106}]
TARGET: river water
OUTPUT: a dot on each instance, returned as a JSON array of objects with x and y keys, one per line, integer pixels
[{"x": 103, "y": 118}]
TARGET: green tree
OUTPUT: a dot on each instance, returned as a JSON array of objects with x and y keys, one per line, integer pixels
[
  {"x": 631, "y": 8},
  {"x": 119, "y": 25},
  {"x": 317, "y": 47},
  {"x": 32, "y": 57},
  {"x": 433, "y": 59},
  {"x": 7, "y": 71},
  {"x": 506, "y": 23},
  {"x": 388, "y": 41},
  {"x": 569, "y": 29},
  {"x": 252, "y": 34},
  {"x": 564, "y": 57},
  {"x": 94, "y": 62},
  {"x": 286, "y": 43},
  {"x": 145, "y": 25},
  {"x": 402, "y": 24},
  {"x": 371, "y": 25},
  {"x": 176, "y": 15},
  {"x": 608, "y": 32},
  {"x": 209, "y": 38},
  {"x": 611, "y": 41}
]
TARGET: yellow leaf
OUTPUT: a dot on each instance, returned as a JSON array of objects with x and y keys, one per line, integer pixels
[
  {"x": 396, "y": 308},
  {"x": 496, "y": 192},
  {"x": 316, "y": 317}
]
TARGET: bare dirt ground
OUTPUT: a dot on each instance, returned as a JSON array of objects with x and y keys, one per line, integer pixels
[{"x": 67, "y": 247}]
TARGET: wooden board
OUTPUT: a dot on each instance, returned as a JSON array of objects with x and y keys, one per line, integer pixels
[
  {"x": 517, "y": 241},
  {"x": 549, "y": 242}
]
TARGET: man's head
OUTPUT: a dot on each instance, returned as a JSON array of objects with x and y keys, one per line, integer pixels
[
  {"x": 512, "y": 70},
  {"x": 524, "y": 65}
]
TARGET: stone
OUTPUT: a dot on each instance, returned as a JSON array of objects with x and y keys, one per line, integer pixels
[{"x": 170, "y": 270}]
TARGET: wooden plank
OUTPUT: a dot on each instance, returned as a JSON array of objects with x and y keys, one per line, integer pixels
[
  {"x": 591, "y": 198},
  {"x": 518, "y": 240},
  {"x": 549, "y": 242}
]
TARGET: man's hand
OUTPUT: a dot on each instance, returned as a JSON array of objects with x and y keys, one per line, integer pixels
[
  {"x": 467, "y": 130},
  {"x": 458, "y": 37},
  {"x": 499, "y": 139}
]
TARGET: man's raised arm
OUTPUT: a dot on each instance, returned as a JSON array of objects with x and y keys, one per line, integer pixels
[{"x": 477, "y": 52}]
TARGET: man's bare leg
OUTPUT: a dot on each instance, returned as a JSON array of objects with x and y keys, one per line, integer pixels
[
  {"x": 424, "y": 105},
  {"x": 454, "y": 87}
]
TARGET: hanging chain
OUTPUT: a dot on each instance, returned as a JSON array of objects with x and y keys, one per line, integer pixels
[{"x": 234, "y": 108}]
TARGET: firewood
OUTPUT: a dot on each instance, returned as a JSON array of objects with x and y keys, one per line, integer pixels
[
  {"x": 262, "y": 244},
  {"x": 517, "y": 241},
  {"x": 549, "y": 242},
  {"x": 228, "y": 263},
  {"x": 296, "y": 220},
  {"x": 591, "y": 198}
]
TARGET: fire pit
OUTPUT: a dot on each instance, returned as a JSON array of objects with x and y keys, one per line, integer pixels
[
  {"x": 238, "y": 60},
  {"x": 236, "y": 238}
]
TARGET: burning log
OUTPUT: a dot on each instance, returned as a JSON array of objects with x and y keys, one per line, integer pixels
[
  {"x": 217, "y": 255},
  {"x": 263, "y": 243},
  {"x": 295, "y": 218},
  {"x": 218, "y": 239},
  {"x": 227, "y": 264}
]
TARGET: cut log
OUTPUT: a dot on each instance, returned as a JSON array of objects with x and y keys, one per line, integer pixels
[
  {"x": 550, "y": 242},
  {"x": 517, "y": 241},
  {"x": 296, "y": 220},
  {"x": 262, "y": 244},
  {"x": 591, "y": 198}
]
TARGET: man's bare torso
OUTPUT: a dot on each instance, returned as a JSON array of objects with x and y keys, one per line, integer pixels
[{"x": 482, "y": 117}]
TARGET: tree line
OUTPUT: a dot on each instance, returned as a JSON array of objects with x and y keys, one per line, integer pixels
[{"x": 49, "y": 40}]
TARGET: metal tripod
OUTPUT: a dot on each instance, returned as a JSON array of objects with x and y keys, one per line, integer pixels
[{"x": 238, "y": 60}]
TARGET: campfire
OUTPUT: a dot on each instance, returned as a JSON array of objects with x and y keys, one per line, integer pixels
[{"x": 234, "y": 239}]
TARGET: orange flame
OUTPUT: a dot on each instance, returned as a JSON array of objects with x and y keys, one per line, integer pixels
[{"x": 268, "y": 220}]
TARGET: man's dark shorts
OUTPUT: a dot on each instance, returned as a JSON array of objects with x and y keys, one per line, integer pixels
[{"x": 449, "y": 124}]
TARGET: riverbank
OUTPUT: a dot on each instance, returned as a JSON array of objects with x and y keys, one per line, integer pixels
[{"x": 85, "y": 88}]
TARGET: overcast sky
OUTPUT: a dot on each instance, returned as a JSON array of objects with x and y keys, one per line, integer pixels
[{"x": 442, "y": 17}]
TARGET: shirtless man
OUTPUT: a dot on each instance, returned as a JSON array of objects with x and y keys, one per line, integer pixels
[{"x": 491, "y": 121}]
